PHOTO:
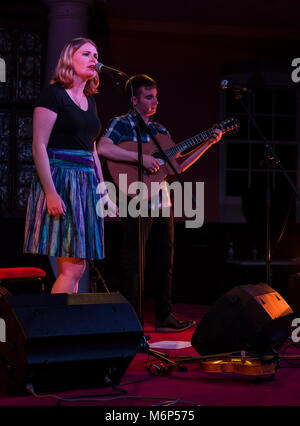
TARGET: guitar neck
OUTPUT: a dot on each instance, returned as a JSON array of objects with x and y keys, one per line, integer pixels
[{"x": 189, "y": 143}]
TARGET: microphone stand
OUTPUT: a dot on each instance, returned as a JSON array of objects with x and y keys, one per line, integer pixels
[
  {"x": 140, "y": 124},
  {"x": 141, "y": 230},
  {"x": 95, "y": 277},
  {"x": 270, "y": 158},
  {"x": 143, "y": 345}
]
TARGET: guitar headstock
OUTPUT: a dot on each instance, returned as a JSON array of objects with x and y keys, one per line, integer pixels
[{"x": 230, "y": 125}]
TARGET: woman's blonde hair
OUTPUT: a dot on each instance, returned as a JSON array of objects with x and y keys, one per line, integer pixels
[{"x": 64, "y": 71}]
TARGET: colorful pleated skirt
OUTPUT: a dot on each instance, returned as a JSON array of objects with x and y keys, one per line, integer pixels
[{"x": 78, "y": 234}]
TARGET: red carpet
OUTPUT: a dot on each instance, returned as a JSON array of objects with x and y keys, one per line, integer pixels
[{"x": 189, "y": 388}]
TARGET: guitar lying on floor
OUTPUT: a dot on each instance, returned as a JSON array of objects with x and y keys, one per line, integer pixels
[{"x": 171, "y": 150}]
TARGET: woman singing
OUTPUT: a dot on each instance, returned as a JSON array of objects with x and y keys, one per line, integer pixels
[{"x": 61, "y": 216}]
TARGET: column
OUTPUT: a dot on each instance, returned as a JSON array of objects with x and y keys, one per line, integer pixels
[{"x": 67, "y": 19}]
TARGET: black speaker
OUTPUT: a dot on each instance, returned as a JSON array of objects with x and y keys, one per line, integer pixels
[
  {"x": 66, "y": 341},
  {"x": 252, "y": 317}
]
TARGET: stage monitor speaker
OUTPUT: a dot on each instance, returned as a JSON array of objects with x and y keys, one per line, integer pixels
[
  {"x": 253, "y": 318},
  {"x": 66, "y": 341}
]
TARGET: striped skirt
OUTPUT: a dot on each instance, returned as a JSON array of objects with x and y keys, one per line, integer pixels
[{"x": 78, "y": 234}]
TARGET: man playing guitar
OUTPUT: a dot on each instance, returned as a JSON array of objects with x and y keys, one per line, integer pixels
[{"x": 161, "y": 229}]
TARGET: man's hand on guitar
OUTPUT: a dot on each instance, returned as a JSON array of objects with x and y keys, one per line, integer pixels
[
  {"x": 216, "y": 136},
  {"x": 183, "y": 154},
  {"x": 150, "y": 163}
]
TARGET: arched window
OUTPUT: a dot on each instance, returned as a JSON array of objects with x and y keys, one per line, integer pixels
[
  {"x": 274, "y": 103},
  {"x": 21, "y": 53}
]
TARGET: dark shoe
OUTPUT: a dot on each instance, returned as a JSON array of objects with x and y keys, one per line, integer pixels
[{"x": 173, "y": 324}]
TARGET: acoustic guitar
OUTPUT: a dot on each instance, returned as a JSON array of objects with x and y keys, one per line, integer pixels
[{"x": 125, "y": 173}]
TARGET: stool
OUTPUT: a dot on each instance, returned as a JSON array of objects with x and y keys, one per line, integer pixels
[{"x": 11, "y": 275}]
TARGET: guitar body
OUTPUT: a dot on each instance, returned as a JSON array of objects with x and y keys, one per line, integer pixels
[{"x": 125, "y": 174}]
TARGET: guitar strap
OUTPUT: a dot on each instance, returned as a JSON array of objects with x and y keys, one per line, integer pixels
[
  {"x": 130, "y": 130},
  {"x": 151, "y": 122},
  {"x": 159, "y": 130}
]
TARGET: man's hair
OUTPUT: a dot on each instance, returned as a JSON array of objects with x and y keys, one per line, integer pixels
[
  {"x": 137, "y": 82},
  {"x": 64, "y": 71}
]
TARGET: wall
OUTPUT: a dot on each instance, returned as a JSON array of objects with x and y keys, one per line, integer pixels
[{"x": 186, "y": 48}]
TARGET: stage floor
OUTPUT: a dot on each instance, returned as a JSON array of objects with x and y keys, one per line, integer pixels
[{"x": 146, "y": 383}]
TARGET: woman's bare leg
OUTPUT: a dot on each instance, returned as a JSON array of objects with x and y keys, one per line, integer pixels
[{"x": 70, "y": 270}]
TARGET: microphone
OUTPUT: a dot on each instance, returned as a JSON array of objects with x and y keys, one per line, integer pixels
[
  {"x": 99, "y": 67},
  {"x": 226, "y": 85}
]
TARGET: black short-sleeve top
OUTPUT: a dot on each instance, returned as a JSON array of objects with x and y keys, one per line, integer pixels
[{"x": 74, "y": 128}]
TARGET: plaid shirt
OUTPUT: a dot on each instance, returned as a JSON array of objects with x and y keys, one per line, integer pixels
[{"x": 122, "y": 129}]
